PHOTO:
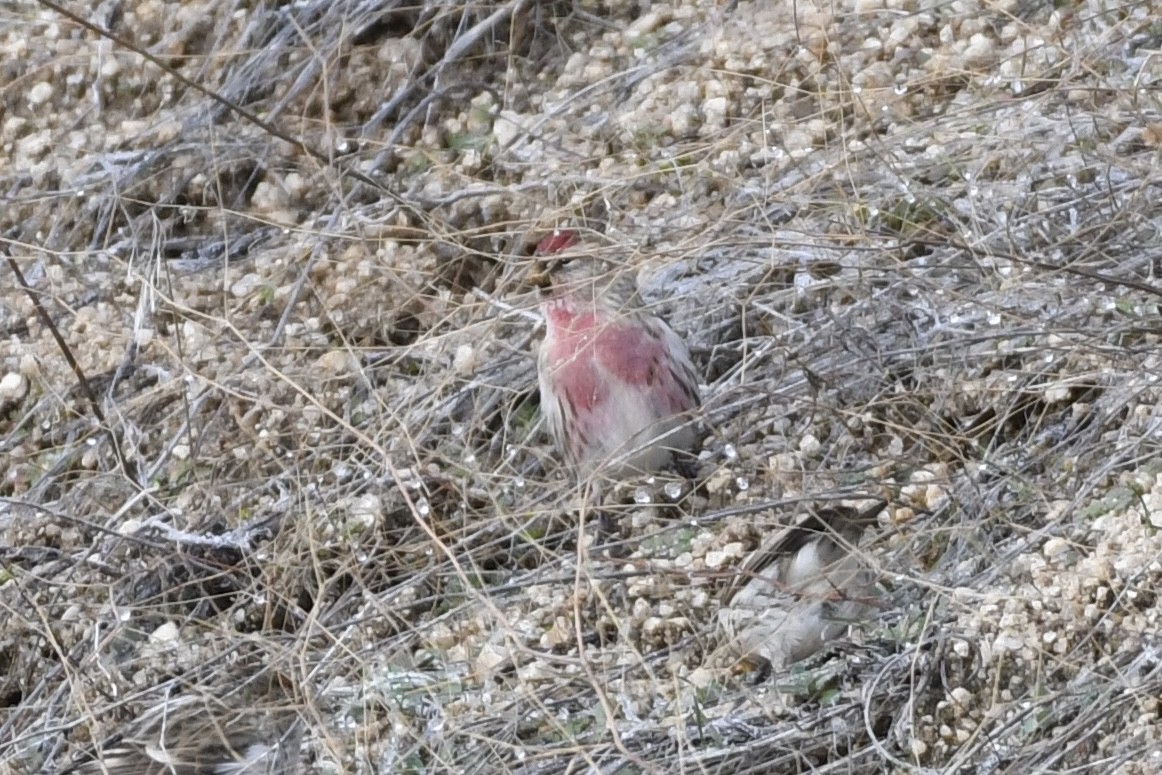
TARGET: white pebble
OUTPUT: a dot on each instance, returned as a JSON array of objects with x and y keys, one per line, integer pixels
[
  {"x": 714, "y": 111},
  {"x": 245, "y": 285},
  {"x": 40, "y": 93},
  {"x": 464, "y": 361},
  {"x": 1055, "y": 547},
  {"x": 166, "y": 633},
  {"x": 642, "y": 26},
  {"x": 809, "y": 445},
  {"x": 13, "y": 387},
  {"x": 979, "y": 51}
]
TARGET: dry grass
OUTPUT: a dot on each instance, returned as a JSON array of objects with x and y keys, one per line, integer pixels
[{"x": 929, "y": 275}]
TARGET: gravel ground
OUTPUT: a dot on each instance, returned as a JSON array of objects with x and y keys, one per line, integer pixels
[{"x": 290, "y": 425}]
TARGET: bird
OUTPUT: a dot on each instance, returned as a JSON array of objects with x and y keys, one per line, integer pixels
[
  {"x": 801, "y": 589},
  {"x": 193, "y": 734},
  {"x": 618, "y": 388}
]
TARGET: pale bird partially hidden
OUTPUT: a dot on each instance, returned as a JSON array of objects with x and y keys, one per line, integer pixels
[
  {"x": 617, "y": 385},
  {"x": 196, "y": 735},
  {"x": 803, "y": 588}
]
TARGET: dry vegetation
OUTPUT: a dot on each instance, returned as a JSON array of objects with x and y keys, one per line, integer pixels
[{"x": 915, "y": 247}]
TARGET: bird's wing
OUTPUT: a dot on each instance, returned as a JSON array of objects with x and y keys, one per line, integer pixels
[{"x": 646, "y": 354}]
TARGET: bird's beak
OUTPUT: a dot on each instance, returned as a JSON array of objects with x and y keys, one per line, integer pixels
[
  {"x": 542, "y": 274},
  {"x": 548, "y": 254}
]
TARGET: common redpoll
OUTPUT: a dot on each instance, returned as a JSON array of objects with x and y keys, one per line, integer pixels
[
  {"x": 803, "y": 588},
  {"x": 193, "y": 735},
  {"x": 617, "y": 385}
]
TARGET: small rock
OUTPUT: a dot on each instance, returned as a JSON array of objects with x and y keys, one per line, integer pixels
[
  {"x": 245, "y": 285},
  {"x": 809, "y": 445},
  {"x": 979, "y": 52},
  {"x": 166, "y": 633},
  {"x": 464, "y": 361},
  {"x": 336, "y": 363},
  {"x": 39, "y": 94},
  {"x": 508, "y": 126},
  {"x": 489, "y": 658},
  {"x": 700, "y": 677},
  {"x": 13, "y": 388},
  {"x": 642, "y": 26},
  {"x": 714, "y": 111},
  {"x": 683, "y": 121}
]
